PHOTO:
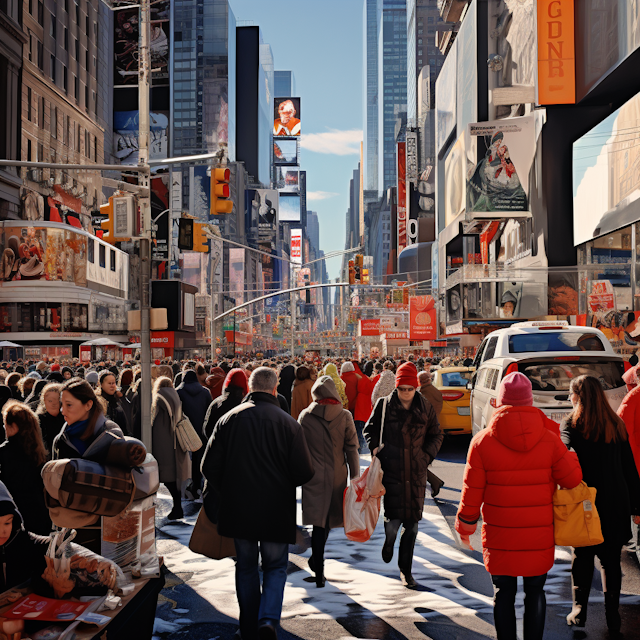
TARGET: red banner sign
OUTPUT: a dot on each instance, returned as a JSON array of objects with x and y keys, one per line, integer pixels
[
  {"x": 396, "y": 335},
  {"x": 402, "y": 197},
  {"x": 370, "y": 327},
  {"x": 422, "y": 318}
]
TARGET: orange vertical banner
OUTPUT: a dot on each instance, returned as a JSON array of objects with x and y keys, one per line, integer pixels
[
  {"x": 422, "y": 318},
  {"x": 556, "y": 52}
]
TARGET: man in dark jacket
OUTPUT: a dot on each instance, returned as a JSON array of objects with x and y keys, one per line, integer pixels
[
  {"x": 195, "y": 402},
  {"x": 254, "y": 461}
]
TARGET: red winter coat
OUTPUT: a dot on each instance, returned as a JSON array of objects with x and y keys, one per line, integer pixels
[
  {"x": 350, "y": 379},
  {"x": 629, "y": 411},
  {"x": 363, "y": 399},
  {"x": 512, "y": 470}
]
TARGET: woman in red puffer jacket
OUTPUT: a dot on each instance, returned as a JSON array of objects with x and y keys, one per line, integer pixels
[
  {"x": 362, "y": 409},
  {"x": 629, "y": 411},
  {"x": 512, "y": 470}
]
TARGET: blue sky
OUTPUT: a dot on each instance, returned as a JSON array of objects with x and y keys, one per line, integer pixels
[{"x": 321, "y": 42}]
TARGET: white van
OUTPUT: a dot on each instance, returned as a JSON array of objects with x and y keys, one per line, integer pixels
[{"x": 550, "y": 354}]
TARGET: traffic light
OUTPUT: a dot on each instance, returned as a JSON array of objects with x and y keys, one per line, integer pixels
[
  {"x": 365, "y": 276},
  {"x": 118, "y": 225},
  {"x": 220, "y": 191},
  {"x": 185, "y": 234},
  {"x": 352, "y": 272},
  {"x": 200, "y": 240}
]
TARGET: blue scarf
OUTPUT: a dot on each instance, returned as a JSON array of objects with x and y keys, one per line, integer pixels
[{"x": 74, "y": 431}]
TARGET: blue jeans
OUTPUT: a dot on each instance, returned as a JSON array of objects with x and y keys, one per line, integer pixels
[
  {"x": 255, "y": 604},
  {"x": 362, "y": 445}
]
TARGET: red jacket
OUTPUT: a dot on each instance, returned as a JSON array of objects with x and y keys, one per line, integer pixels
[
  {"x": 512, "y": 470},
  {"x": 363, "y": 399},
  {"x": 629, "y": 411},
  {"x": 350, "y": 379}
]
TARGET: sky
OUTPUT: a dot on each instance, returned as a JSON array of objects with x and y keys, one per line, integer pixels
[{"x": 321, "y": 42}]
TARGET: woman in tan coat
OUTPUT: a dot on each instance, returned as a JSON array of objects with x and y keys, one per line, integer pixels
[
  {"x": 301, "y": 394},
  {"x": 333, "y": 443}
]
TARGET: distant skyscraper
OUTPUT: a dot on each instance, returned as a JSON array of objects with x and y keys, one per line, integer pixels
[
  {"x": 313, "y": 229},
  {"x": 392, "y": 83},
  {"x": 285, "y": 84},
  {"x": 370, "y": 93}
]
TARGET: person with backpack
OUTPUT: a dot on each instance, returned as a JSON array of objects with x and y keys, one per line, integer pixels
[
  {"x": 600, "y": 439},
  {"x": 333, "y": 443},
  {"x": 512, "y": 470},
  {"x": 403, "y": 432},
  {"x": 174, "y": 465}
]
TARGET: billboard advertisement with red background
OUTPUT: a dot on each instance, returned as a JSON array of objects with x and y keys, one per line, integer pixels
[
  {"x": 296, "y": 246},
  {"x": 402, "y": 198},
  {"x": 370, "y": 327},
  {"x": 422, "y": 318}
]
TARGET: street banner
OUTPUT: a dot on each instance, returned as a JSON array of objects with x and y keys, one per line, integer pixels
[
  {"x": 402, "y": 198},
  {"x": 370, "y": 327},
  {"x": 422, "y": 318}
]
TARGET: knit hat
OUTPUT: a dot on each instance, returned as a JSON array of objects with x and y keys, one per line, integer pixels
[
  {"x": 91, "y": 377},
  {"x": 407, "y": 374},
  {"x": 515, "y": 391},
  {"x": 236, "y": 378},
  {"x": 55, "y": 367},
  {"x": 34, "y": 374}
]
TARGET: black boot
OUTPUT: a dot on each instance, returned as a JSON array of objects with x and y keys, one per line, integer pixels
[
  {"x": 390, "y": 532},
  {"x": 405, "y": 554},
  {"x": 612, "y": 610},
  {"x": 535, "y": 608},
  {"x": 316, "y": 561},
  {"x": 578, "y": 615}
]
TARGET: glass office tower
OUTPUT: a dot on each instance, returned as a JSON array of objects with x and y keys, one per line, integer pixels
[
  {"x": 392, "y": 83},
  {"x": 370, "y": 106},
  {"x": 285, "y": 84}
]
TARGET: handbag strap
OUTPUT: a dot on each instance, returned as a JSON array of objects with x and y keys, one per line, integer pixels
[
  {"x": 384, "y": 413},
  {"x": 173, "y": 426}
]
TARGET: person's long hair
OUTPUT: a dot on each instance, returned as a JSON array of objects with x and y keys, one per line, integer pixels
[
  {"x": 83, "y": 391},
  {"x": 29, "y": 434},
  {"x": 593, "y": 415},
  {"x": 52, "y": 387}
]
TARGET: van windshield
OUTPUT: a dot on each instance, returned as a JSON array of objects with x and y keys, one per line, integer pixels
[
  {"x": 554, "y": 341},
  {"x": 557, "y": 377}
]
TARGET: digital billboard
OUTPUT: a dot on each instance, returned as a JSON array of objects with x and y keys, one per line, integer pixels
[
  {"x": 262, "y": 210},
  {"x": 288, "y": 179},
  {"x": 296, "y": 246},
  {"x": 286, "y": 117},
  {"x": 289, "y": 207},
  {"x": 125, "y": 138},
  {"x": 446, "y": 90},
  {"x": 285, "y": 151}
]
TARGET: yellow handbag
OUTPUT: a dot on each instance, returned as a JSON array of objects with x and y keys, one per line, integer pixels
[{"x": 576, "y": 522}]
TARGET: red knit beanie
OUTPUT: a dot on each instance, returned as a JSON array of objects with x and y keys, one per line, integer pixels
[
  {"x": 55, "y": 367},
  {"x": 236, "y": 378},
  {"x": 407, "y": 375},
  {"x": 515, "y": 391}
]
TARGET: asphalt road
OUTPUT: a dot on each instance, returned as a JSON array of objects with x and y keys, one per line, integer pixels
[{"x": 363, "y": 597}]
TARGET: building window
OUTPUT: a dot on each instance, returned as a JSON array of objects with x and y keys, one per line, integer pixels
[
  {"x": 28, "y": 150},
  {"x": 86, "y": 23},
  {"x": 86, "y": 97},
  {"x": 53, "y": 68},
  {"x": 65, "y": 79},
  {"x": 53, "y": 122},
  {"x": 67, "y": 139},
  {"x": 112, "y": 259},
  {"x": 78, "y": 139},
  {"x": 77, "y": 48},
  {"x": 40, "y": 157},
  {"x": 66, "y": 39},
  {"x": 41, "y": 114},
  {"x": 52, "y": 26},
  {"x": 94, "y": 62},
  {"x": 29, "y": 104},
  {"x": 77, "y": 13},
  {"x": 40, "y": 55},
  {"x": 41, "y": 13},
  {"x": 86, "y": 59},
  {"x": 66, "y": 5},
  {"x": 102, "y": 256},
  {"x": 31, "y": 7},
  {"x": 90, "y": 250},
  {"x": 76, "y": 88}
]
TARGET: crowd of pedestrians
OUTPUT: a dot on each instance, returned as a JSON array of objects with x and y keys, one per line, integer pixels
[{"x": 270, "y": 426}]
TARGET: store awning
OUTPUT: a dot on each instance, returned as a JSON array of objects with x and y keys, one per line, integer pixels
[
  {"x": 102, "y": 342},
  {"x": 6, "y": 343}
]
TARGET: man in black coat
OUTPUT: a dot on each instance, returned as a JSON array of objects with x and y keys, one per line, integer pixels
[
  {"x": 254, "y": 461},
  {"x": 195, "y": 401}
]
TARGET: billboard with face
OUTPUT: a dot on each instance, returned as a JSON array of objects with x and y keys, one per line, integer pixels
[
  {"x": 286, "y": 117},
  {"x": 498, "y": 182},
  {"x": 288, "y": 179},
  {"x": 285, "y": 151},
  {"x": 289, "y": 207}
]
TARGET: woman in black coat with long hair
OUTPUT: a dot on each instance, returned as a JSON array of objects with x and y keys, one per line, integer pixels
[
  {"x": 599, "y": 438},
  {"x": 49, "y": 414},
  {"x": 109, "y": 392},
  {"x": 285, "y": 382},
  {"x": 22, "y": 456}
]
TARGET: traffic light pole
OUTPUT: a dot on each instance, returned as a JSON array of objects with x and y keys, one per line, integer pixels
[{"x": 144, "y": 81}]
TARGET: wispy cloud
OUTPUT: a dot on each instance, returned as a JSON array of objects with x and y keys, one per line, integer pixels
[
  {"x": 321, "y": 195},
  {"x": 333, "y": 142}
]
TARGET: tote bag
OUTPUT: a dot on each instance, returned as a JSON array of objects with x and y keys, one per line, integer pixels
[
  {"x": 206, "y": 540},
  {"x": 576, "y": 522}
]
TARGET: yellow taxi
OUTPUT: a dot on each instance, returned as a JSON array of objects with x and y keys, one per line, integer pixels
[{"x": 455, "y": 417}]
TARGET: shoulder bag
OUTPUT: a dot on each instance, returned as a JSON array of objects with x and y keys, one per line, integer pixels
[
  {"x": 186, "y": 435},
  {"x": 206, "y": 540},
  {"x": 576, "y": 522}
]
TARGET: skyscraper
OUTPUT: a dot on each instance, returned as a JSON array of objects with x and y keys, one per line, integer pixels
[
  {"x": 392, "y": 83},
  {"x": 285, "y": 84},
  {"x": 370, "y": 92}
]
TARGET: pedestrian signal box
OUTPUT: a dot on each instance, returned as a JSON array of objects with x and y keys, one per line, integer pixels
[{"x": 185, "y": 234}]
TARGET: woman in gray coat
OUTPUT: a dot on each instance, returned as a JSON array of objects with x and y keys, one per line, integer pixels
[
  {"x": 333, "y": 443},
  {"x": 174, "y": 464}
]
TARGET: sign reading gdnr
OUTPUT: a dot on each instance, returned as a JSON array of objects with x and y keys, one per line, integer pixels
[{"x": 556, "y": 52}]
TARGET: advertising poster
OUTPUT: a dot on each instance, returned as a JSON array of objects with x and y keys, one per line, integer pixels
[
  {"x": 606, "y": 182},
  {"x": 38, "y": 253},
  {"x": 285, "y": 151},
  {"x": 160, "y": 203},
  {"x": 288, "y": 179},
  {"x": 236, "y": 275},
  {"x": 446, "y": 98},
  {"x": 296, "y": 246},
  {"x": 467, "y": 80},
  {"x": 125, "y": 136},
  {"x": 412, "y": 157},
  {"x": 199, "y": 192},
  {"x": 126, "y": 34},
  {"x": 176, "y": 212},
  {"x": 455, "y": 177},
  {"x": 370, "y": 327},
  {"x": 422, "y": 318},
  {"x": 289, "y": 207},
  {"x": 286, "y": 117},
  {"x": 498, "y": 183},
  {"x": 215, "y": 108},
  {"x": 402, "y": 198},
  {"x": 263, "y": 205}
]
